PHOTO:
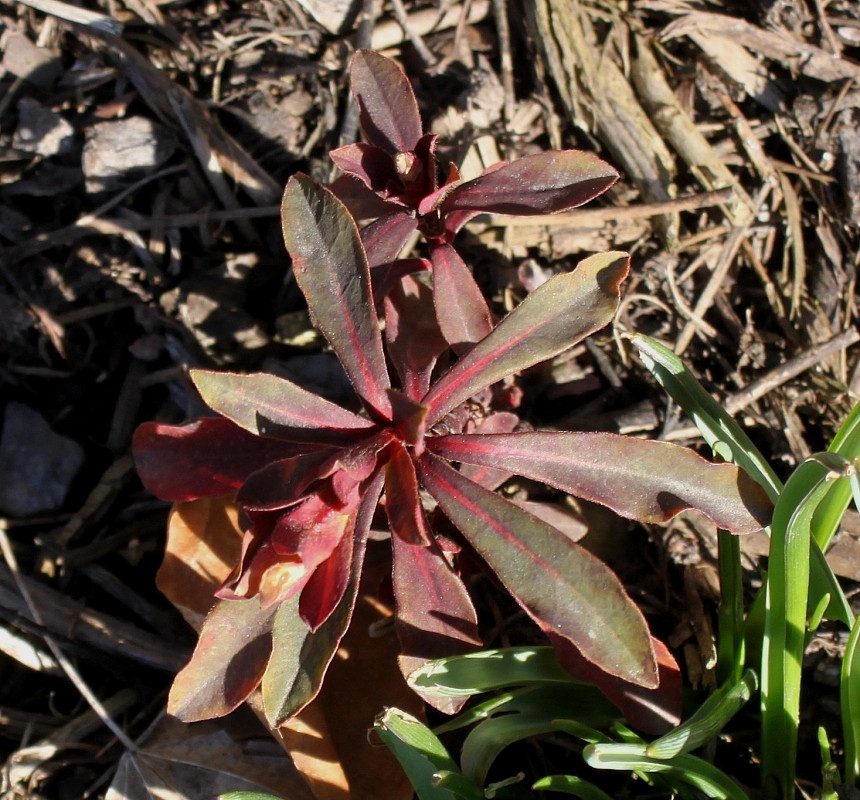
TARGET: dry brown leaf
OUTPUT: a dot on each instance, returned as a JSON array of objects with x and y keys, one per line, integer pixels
[
  {"x": 203, "y": 543},
  {"x": 185, "y": 762},
  {"x": 329, "y": 740}
]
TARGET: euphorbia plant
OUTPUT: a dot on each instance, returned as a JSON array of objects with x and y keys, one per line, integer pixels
[
  {"x": 400, "y": 185},
  {"x": 309, "y": 474}
]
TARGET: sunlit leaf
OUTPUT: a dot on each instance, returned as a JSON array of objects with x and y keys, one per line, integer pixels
[
  {"x": 231, "y": 655},
  {"x": 267, "y": 405},
  {"x": 554, "y": 579},
  {"x": 640, "y": 479},
  {"x": 387, "y": 109},
  {"x": 551, "y": 319},
  {"x": 331, "y": 269},
  {"x": 537, "y": 184}
]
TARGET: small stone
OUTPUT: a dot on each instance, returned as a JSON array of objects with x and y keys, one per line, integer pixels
[
  {"x": 23, "y": 59},
  {"x": 41, "y": 130},
  {"x": 119, "y": 150},
  {"x": 37, "y": 464}
]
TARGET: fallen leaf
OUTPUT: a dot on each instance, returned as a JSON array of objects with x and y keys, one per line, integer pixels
[
  {"x": 179, "y": 762},
  {"x": 328, "y": 741},
  {"x": 204, "y": 542}
]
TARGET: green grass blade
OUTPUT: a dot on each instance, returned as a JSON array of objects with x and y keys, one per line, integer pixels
[
  {"x": 571, "y": 784},
  {"x": 787, "y": 598},
  {"x": 487, "y": 739},
  {"x": 708, "y": 720},
  {"x": 248, "y": 796},
  {"x": 846, "y": 443},
  {"x": 850, "y": 700},
  {"x": 730, "y": 616},
  {"x": 724, "y": 436},
  {"x": 691, "y": 770},
  {"x": 585, "y": 703},
  {"x": 487, "y": 670},
  {"x": 456, "y": 783},
  {"x": 419, "y": 752}
]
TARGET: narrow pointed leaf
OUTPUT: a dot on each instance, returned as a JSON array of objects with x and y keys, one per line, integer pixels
[
  {"x": 461, "y": 309},
  {"x": 403, "y": 502},
  {"x": 210, "y": 457},
  {"x": 283, "y": 483},
  {"x": 553, "y": 318},
  {"x": 327, "y": 585},
  {"x": 555, "y": 580},
  {"x": 228, "y": 662},
  {"x": 331, "y": 270},
  {"x": 373, "y": 167},
  {"x": 537, "y": 184},
  {"x": 267, "y": 405},
  {"x": 435, "y": 616},
  {"x": 383, "y": 239},
  {"x": 387, "y": 109},
  {"x": 414, "y": 339},
  {"x": 301, "y": 658},
  {"x": 640, "y": 479},
  {"x": 363, "y": 203},
  {"x": 419, "y": 752}
]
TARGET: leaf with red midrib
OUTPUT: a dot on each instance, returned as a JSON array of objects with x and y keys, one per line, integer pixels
[
  {"x": 553, "y": 318},
  {"x": 542, "y": 183},
  {"x": 555, "y": 580},
  {"x": 388, "y": 111},
  {"x": 461, "y": 309},
  {"x": 331, "y": 269},
  {"x": 637, "y": 478}
]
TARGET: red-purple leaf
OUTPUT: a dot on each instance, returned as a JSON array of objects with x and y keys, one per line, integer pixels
[
  {"x": 538, "y": 184},
  {"x": 331, "y": 269},
  {"x": 435, "y": 616},
  {"x": 383, "y": 239},
  {"x": 228, "y": 662},
  {"x": 637, "y": 478},
  {"x": 300, "y": 658},
  {"x": 555, "y": 580},
  {"x": 551, "y": 319},
  {"x": 362, "y": 202},
  {"x": 403, "y": 502},
  {"x": 387, "y": 109},
  {"x": 488, "y": 476},
  {"x": 652, "y": 711},
  {"x": 267, "y": 405},
  {"x": 372, "y": 166},
  {"x": 386, "y": 276},
  {"x": 327, "y": 585},
  {"x": 414, "y": 339},
  {"x": 210, "y": 457},
  {"x": 461, "y": 309},
  {"x": 283, "y": 483}
]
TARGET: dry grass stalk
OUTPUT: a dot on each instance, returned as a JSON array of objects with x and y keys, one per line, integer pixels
[
  {"x": 674, "y": 123},
  {"x": 599, "y": 98}
]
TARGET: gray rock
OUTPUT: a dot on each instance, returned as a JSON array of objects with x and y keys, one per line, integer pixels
[
  {"x": 120, "y": 150},
  {"x": 41, "y": 130},
  {"x": 37, "y": 465}
]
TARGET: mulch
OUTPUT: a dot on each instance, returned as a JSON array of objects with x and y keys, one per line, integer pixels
[{"x": 143, "y": 149}]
